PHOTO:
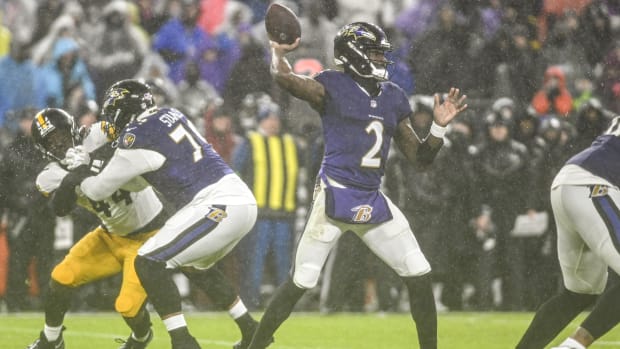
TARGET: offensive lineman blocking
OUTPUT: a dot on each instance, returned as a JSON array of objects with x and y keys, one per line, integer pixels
[
  {"x": 214, "y": 207},
  {"x": 128, "y": 219}
]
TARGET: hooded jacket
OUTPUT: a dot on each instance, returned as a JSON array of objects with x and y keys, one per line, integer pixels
[{"x": 556, "y": 100}]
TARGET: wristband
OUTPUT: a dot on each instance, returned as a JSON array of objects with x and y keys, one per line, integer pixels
[{"x": 438, "y": 131}]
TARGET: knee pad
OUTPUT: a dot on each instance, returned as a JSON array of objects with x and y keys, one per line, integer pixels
[
  {"x": 579, "y": 285},
  {"x": 414, "y": 264},
  {"x": 65, "y": 275},
  {"x": 128, "y": 304},
  {"x": 307, "y": 275}
]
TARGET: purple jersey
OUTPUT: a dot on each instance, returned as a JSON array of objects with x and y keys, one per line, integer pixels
[
  {"x": 601, "y": 158},
  {"x": 358, "y": 129},
  {"x": 191, "y": 163}
]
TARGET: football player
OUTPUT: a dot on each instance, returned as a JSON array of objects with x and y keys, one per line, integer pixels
[
  {"x": 361, "y": 112},
  {"x": 127, "y": 220},
  {"x": 213, "y": 207},
  {"x": 585, "y": 196}
]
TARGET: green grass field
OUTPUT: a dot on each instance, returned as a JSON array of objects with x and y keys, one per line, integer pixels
[{"x": 301, "y": 331}]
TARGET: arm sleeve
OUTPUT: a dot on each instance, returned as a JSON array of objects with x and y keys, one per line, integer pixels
[
  {"x": 124, "y": 165},
  {"x": 64, "y": 199}
]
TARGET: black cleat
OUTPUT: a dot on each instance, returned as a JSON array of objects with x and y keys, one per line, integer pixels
[
  {"x": 189, "y": 343},
  {"x": 43, "y": 343},
  {"x": 131, "y": 343},
  {"x": 243, "y": 344},
  {"x": 246, "y": 338}
]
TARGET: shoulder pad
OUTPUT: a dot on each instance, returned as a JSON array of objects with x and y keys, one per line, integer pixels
[{"x": 97, "y": 136}]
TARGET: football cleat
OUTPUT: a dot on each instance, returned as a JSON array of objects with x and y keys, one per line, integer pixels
[
  {"x": 189, "y": 343},
  {"x": 243, "y": 344},
  {"x": 131, "y": 343},
  {"x": 246, "y": 338},
  {"x": 43, "y": 343}
]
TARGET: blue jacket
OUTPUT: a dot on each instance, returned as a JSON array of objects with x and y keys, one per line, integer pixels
[
  {"x": 20, "y": 86},
  {"x": 53, "y": 80}
]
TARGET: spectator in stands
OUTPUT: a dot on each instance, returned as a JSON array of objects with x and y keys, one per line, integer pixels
[
  {"x": 180, "y": 40},
  {"x": 5, "y": 38},
  {"x": 501, "y": 168},
  {"x": 595, "y": 32},
  {"x": 268, "y": 160},
  {"x": 464, "y": 259},
  {"x": 514, "y": 65},
  {"x": 609, "y": 81},
  {"x": 219, "y": 130},
  {"x": 117, "y": 49},
  {"x": 316, "y": 32},
  {"x": 250, "y": 73},
  {"x": 564, "y": 48},
  {"x": 20, "y": 85},
  {"x": 195, "y": 94},
  {"x": 46, "y": 13},
  {"x": 42, "y": 50},
  {"x": 154, "y": 68},
  {"x": 430, "y": 58},
  {"x": 591, "y": 120},
  {"x": 66, "y": 74},
  {"x": 553, "y": 96}
]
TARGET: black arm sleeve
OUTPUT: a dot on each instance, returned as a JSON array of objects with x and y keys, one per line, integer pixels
[
  {"x": 426, "y": 155},
  {"x": 64, "y": 198}
]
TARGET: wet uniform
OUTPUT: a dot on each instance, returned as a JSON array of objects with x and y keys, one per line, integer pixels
[
  {"x": 357, "y": 129},
  {"x": 214, "y": 207},
  {"x": 128, "y": 219},
  {"x": 585, "y": 196}
]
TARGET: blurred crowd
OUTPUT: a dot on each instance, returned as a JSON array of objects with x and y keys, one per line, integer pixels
[{"x": 542, "y": 79}]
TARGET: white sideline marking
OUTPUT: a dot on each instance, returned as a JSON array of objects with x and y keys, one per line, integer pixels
[
  {"x": 111, "y": 336},
  {"x": 607, "y": 344}
]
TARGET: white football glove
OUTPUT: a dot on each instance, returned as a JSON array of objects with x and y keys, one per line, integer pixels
[{"x": 76, "y": 157}]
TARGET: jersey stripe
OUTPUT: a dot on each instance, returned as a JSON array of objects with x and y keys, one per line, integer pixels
[{"x": 610, "y": 214}]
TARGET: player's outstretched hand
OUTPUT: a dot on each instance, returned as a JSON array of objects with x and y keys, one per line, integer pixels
[
  {"x": 453, "y": 104},
  {"x": 282, "y": 49},
  {"x": 75, "y": 157}
]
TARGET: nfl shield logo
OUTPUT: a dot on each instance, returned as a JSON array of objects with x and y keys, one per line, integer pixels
[{"x": 373, "y": 103}]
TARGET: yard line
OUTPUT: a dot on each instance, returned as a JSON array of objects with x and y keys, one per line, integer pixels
[
  {"x": 607, "y": 344},
  {"x": 112, "y": 336}
]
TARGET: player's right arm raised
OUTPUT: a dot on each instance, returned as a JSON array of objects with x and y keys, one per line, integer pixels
[{"x": 300, "y": 86}]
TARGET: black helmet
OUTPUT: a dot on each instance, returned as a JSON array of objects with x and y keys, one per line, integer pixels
[
  {"x": 352, "y": 44},
  {"x": 54, "y": 132},
  {"x": 125, "y": 100}
]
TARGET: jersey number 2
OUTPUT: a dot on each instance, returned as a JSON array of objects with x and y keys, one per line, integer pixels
[{"x": 372, "y": 158}]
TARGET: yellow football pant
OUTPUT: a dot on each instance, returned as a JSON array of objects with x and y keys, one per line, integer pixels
[{"x": 100, "y": 254}]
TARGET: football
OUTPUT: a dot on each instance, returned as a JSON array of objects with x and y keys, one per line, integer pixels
[{"x": 282, "y": 24}]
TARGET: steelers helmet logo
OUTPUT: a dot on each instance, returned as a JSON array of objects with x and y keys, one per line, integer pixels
[{"x": 44, "y": 125}]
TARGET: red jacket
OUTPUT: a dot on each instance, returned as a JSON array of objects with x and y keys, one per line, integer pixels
[{"x": 562, "y": 102}]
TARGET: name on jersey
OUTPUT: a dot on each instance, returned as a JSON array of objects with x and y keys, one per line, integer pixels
[{"x": 171, "y": 117}]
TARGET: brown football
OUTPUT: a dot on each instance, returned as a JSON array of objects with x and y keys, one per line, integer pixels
[{"x": 282, "y": 24}]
